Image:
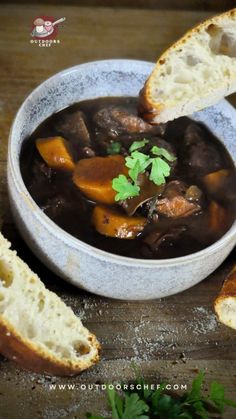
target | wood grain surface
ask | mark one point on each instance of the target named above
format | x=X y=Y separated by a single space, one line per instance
x=169 y=339
x=219 y=5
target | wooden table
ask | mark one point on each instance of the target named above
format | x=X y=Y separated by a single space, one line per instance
x=169 y=339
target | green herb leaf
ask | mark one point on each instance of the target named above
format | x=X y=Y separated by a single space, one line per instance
x=114 y=148
x=143 y=159
x=195 y=393
x=217 y=395
x=134 y=404
x=124 y=188
x=91 y=416
x=160 y=170
x=159 y=151
x=119 y=404
x=157 y=395
x=134 y=172
x=114 y=399
x=137 y=163
x=134 y=407
x=200 y=409
x=138 y=144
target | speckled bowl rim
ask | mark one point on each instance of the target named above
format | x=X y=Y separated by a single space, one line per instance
x=67 y=238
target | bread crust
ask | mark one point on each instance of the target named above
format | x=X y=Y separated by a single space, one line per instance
x=145 y=107
x=31 y=357
x=227 y=295
x=229 y=286
x=34 y=356
x=156 y=113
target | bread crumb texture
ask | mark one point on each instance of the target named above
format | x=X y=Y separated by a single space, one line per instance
x=225 y=303
x=35 y=320
x=196 y=71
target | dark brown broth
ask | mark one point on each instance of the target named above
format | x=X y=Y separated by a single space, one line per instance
x=62 y=201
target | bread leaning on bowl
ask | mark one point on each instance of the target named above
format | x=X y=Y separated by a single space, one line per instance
x=37 y=329
x=195 y=72
x=225 y=303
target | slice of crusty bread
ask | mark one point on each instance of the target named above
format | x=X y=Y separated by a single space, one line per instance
x=37 y=329
x=225 y=303
x=195 y=72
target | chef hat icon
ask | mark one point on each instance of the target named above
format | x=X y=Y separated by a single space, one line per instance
x=38 y=22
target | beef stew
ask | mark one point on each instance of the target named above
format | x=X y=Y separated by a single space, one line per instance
x=122 y=185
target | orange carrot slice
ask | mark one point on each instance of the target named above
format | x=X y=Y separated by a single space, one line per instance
x=94 y=177
x=215 y=180
x=218 y=217
x=111 y=223
x=55 y=152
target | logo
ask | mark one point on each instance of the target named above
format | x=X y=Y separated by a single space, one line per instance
x=44 y=31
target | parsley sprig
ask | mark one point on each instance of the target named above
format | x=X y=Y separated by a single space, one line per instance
x=156 y=162
x=138 y=144
x=124 y=188
x=137 y=163
x=156 y=404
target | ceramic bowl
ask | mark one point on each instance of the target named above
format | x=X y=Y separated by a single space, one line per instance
x=85 y=266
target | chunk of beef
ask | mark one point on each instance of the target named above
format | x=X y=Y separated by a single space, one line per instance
x=88 y=152
x=116 y=121
x=176 y=207
x=198 y=154
x=178 y=200
x=73 y=126
x=157 y=237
